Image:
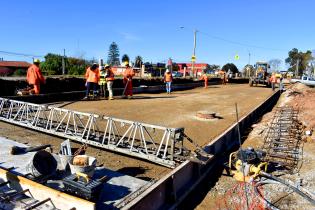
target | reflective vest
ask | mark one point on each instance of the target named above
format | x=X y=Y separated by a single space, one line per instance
x=102 y=78
x=273 y=79
x=110 y=75
x=168 y=77
x=34 y=75
x=92 y=76
x=129 y=73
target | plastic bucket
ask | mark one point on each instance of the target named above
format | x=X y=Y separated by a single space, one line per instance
x=42 y=164
x=65 y=159
x=89 y=169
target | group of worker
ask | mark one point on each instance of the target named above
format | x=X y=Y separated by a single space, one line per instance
x=98 y=78
x=273 y=81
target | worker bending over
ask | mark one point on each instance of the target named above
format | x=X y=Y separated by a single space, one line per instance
x=110 y=77
x=92 y=76
x=168 y=79
x=34 y=77
x=205 y=78
x=128 y=74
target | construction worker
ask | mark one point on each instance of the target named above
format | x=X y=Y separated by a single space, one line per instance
x=110 y=77
x=102 y=82
x=205 y=78
x=223 y=78
x=34 y=77
x=92 y=76
x=273 y=81
x=168 y=78
x=128 y=74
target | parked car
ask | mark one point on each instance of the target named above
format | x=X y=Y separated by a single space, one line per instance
x=304 y=80
x=176 y=74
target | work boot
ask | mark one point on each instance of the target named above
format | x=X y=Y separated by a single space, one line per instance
x=111 y=98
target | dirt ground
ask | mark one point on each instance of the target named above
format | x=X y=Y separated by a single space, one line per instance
x=175 y=110
x=302 y=98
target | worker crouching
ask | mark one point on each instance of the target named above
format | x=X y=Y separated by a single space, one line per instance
x=128 y=74
x=34 y=77
x=110 y=77
x=92 y=76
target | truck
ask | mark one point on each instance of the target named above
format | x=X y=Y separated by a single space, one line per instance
x=304 y=80
x=260 y=75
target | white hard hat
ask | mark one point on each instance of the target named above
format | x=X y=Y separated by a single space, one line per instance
x=167 y=70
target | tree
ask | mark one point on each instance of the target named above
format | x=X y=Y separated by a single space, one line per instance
x=248 y=70
x=231 y=67
x=113 y=55
x=275 y=65
x=138 y=61
x=52 y=64
x=296 y=55
x=125 y=58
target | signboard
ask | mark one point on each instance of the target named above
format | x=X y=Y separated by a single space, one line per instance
x=236 y=57
x=193 y=58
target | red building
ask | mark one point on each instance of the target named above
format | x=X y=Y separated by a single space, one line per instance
x=198 y=67
x=9 y=67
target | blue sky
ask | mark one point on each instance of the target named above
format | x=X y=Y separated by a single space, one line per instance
x=151 y=28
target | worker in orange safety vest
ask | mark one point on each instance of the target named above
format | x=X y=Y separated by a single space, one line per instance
x=92 y=76
x=168 y=79
x=205 y=78
x=273 y=81
x=34 y=77
x=128 y=74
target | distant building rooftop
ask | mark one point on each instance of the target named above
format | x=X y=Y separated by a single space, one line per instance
x=15 y=64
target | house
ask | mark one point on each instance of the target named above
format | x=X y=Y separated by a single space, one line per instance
x=9 y=67
x=198 y=67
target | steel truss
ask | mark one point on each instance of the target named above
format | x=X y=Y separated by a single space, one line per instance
x=161 y=145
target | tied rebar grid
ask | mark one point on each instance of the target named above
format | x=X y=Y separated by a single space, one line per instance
x=283 y=139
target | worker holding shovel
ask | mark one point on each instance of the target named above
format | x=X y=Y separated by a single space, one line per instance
x=128 y=74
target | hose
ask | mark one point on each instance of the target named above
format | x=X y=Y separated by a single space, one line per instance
x=302 y=192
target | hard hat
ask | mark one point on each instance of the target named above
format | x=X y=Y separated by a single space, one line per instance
x=126 y=63
x=167 y=71
x=107 y=66
x=36 y=61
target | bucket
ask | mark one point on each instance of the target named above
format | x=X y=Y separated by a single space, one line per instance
x=42 y=164
x=89 y=169
x=65 y=159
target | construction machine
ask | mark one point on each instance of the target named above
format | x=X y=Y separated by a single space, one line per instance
x=261 y=74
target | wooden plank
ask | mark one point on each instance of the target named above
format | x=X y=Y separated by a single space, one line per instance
x=41 y=192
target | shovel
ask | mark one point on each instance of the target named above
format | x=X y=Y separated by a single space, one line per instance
x=16 y=150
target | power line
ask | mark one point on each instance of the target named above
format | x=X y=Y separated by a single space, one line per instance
x=240 y=43
x=235 y=42
x=20 y=54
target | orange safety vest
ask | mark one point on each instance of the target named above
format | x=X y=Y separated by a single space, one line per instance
x=34 y=75
x=168 y=77
x=92 y=76
x=129 y=73
x=111 y=75
x=273 y=79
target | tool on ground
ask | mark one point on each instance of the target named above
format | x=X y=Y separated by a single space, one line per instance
x=16 y=150
x=125 y=87
x=82 y=185
x=245 y=164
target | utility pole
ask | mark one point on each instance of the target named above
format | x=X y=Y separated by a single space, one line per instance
x=63 y=62
x=194 y=54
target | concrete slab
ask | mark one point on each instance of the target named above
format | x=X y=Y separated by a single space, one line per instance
x=115 y=189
